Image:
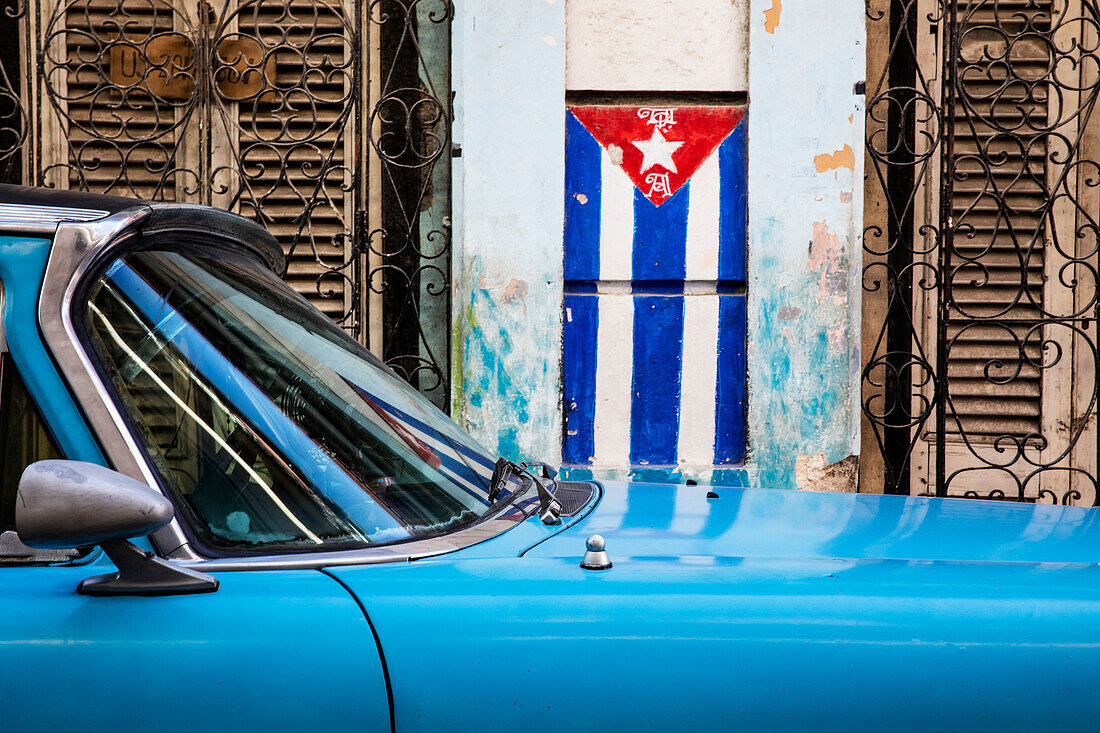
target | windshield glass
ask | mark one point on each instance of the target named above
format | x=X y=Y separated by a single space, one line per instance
x=268 y=425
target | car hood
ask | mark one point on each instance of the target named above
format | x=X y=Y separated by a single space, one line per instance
x=661 y=521
x=758 y=608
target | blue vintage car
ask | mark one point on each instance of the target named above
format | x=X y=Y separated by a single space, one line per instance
x=290 y=538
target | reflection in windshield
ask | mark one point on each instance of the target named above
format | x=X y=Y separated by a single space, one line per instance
x=268 y=425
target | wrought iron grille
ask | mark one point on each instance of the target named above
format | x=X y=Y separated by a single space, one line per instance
x=326 y=120
x=981 y=249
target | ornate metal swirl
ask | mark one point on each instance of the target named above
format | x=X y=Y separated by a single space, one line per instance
x=410 y=247
x=260 y=106
x=13 y=114
x=982 y=382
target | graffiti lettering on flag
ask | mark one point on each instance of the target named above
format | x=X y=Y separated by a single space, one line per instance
x=672 y=142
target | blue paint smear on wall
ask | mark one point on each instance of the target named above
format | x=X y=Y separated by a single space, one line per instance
x=582 y=313
x=582 y=202
x=495 y=374
x=655 y=404
x=733 y=205
x=801 y=367
x=660 y=237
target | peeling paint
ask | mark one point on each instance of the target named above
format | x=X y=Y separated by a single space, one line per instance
x=827 y=257
x=581 y=198
x=506 y=372
x=771 y=16
x=508 y=214
x=814 y=473
x=515 y=290
x=789 y=313
x=615 y=153
x=843 y=158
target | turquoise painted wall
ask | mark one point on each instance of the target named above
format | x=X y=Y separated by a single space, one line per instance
x=805 y=223
x=509 y=77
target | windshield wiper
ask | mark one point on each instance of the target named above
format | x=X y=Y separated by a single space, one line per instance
x=540 y=474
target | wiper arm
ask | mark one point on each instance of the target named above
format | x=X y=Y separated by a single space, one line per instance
x=543 y=478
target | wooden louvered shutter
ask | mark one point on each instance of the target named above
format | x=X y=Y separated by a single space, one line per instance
x=1015 y=372
x=103 y=137
x=294 y=146
x=120 y=114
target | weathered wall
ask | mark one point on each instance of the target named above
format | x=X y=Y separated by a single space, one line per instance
x=509 y=76
x=796 y=65
x=805 y=214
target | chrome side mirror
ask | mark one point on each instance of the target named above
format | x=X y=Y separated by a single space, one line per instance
x=72 y=503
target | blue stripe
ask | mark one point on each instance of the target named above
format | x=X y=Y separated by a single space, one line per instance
x=582 y=220
x=579 y=367
x=660 y=237
x=733 y=205
x=729 y=418
x=655 y=396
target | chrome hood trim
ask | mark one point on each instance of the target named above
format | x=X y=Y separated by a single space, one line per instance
x=31 y=219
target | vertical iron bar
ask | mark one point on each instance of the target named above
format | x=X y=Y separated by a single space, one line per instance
x=900 y=183
x=204 y=74
x=13 y=125
x=359 y=48
x=945 y=233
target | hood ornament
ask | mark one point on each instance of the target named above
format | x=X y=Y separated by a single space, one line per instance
x=595 y=556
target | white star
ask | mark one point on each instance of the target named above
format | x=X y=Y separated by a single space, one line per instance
x=657 y=151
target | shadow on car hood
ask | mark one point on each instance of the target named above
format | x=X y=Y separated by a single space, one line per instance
x=654 y=521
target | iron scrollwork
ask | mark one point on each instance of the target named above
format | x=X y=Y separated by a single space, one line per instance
x=276 y=109
x=410 y=247
x=1001 y=389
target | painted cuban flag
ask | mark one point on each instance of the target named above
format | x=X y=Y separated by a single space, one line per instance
x=654 y=354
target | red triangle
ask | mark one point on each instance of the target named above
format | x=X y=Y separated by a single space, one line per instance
x=660 y=138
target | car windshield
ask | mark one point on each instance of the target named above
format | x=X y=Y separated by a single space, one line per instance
x=267 y=424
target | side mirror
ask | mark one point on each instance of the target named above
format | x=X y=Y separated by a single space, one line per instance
x=72 y=503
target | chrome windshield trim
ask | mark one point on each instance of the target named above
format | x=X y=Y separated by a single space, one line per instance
x=397 y=552
x=32 y=219
x=78 y=249
x=523 y=509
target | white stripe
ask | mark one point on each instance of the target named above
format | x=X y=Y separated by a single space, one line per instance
x=616 y=220
x=614 y=381
x=699 y=380
x=702 y=223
